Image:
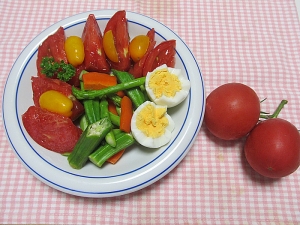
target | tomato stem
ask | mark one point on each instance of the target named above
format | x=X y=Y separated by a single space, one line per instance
x=276 y=112
x=263 y=100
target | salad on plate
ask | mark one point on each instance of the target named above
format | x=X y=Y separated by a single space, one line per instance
x=99 y=93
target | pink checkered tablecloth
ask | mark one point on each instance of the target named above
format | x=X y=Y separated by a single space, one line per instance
x=255 y=42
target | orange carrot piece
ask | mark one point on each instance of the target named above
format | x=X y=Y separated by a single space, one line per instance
x=121 y=94
x=115 y=157
x=112 y=107
x=126 y=114
x=97 y=81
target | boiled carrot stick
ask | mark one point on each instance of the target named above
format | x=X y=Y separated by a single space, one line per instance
x=112 y=107
x=97 y=81
x=121 y=94
x=126 y=114
x=116 y=157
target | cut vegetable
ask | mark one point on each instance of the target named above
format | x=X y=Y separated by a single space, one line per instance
x=89 y=110
x=91 y=94
x=115 y=99
x=96 y=107
x=97 y=81
x=56 y=102
x=110 y=137
x=115 y=119
x=135 y=94
x=104 y=108
x=99 y=156
x=115 y=158
x=83 y=123
x=88 y=142
x=126 y=114
x=112 y=107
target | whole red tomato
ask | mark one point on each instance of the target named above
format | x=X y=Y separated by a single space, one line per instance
x=232 y=110
x=273 y=148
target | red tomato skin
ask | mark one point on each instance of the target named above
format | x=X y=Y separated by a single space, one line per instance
x=43 y=51
x=273 y=148
x=119 y=27
x=163 y=53
x=52 y=131
x=231 y=111
x=137 y=69
x=52 y=46
x=74 y=81
x=95 y=58
x=43 y=84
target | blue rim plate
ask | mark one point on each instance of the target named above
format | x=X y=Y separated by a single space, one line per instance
x=139 y=167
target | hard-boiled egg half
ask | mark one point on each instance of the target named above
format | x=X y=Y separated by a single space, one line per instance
x=167 y=86
x=151 y=126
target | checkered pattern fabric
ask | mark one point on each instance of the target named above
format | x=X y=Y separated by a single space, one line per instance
x=255 y=42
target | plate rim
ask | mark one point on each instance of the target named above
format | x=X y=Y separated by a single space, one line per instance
x=99 y=194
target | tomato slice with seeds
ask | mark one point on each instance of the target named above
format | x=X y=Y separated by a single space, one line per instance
x=50 y=130
x=164 y=53
x=43 y=84
x=52 y=46
x=166 y=57
x=74 y=81
x=137 y=69
x=119 y=27
x=95 y=58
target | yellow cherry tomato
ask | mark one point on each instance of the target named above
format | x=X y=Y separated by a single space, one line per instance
x=109 y=46
x=56 y=102
x=75 y=50
x=138 y=47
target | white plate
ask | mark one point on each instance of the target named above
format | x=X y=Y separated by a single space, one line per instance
x=139 y=167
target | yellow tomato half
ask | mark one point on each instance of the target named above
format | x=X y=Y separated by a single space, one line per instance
x=138 y=47
x=56 y=102
x=75 y=50
x=109 y=46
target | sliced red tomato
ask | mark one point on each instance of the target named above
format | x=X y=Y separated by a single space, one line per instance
x=95 y=59
x=151 y=35
x=52 y=46
x=52 y=131
x=74 y=81
x=164 y=53
x=137 y=69
x=43 y=84
x=166 y=57
x=119 y=27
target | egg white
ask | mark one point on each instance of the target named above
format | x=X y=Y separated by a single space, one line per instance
x=150 y=142
x=165 y=100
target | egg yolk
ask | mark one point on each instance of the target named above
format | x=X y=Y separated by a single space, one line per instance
x=151 y=121
x=162 y=82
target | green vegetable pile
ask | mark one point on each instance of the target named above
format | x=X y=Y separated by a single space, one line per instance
x=100 y=140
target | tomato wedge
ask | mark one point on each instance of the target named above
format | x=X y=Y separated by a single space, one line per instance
x=95 y=59
x=74 y=81
x=43 y=84
x=52 y=46
x=119 y=27
x=50 y=130
x=137 y=69
x=164 y=53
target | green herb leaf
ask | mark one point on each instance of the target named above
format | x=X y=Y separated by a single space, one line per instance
x=61 y=70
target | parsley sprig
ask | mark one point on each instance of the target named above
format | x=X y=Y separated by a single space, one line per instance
x=61 y=70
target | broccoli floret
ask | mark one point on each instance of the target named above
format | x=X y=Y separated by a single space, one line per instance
x=62 y=70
